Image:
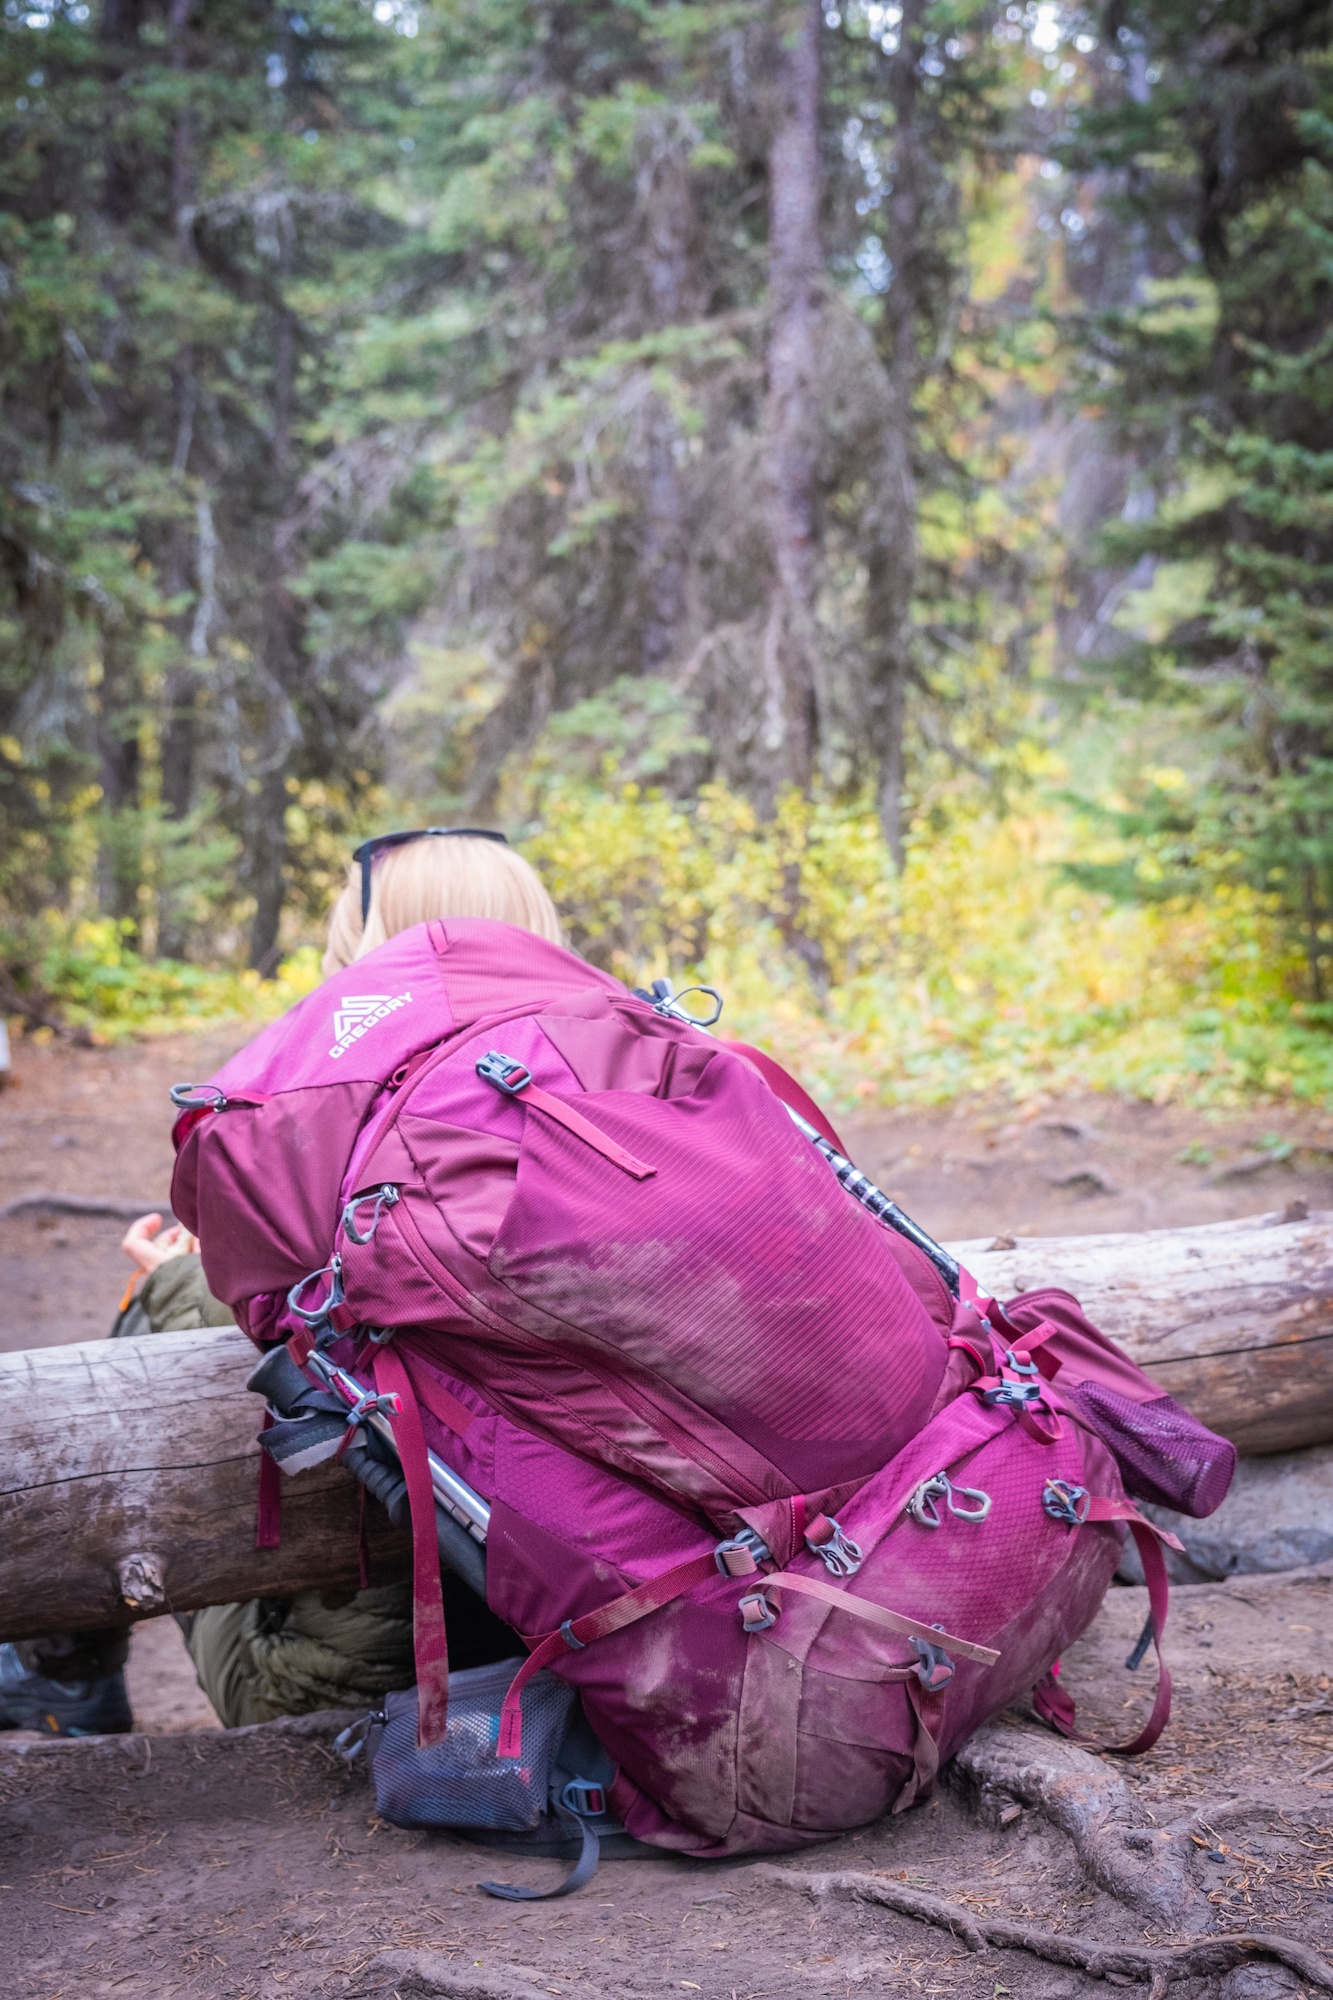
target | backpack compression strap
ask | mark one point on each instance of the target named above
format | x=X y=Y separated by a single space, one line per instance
x=429 y=1639
x=576 y=1633
x=1049 y=1698
x=787 y=1088
x=731 y=1559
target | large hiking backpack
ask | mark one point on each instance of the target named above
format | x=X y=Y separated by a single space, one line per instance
x=792 y=1511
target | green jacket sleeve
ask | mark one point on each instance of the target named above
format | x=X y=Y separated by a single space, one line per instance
x=175 y=1298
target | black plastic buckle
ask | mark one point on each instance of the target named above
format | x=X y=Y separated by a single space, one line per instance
x=505 y=1073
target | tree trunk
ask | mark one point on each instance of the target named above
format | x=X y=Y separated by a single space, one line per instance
x=178 y=736
x=282 y=648
x=146 y=1449
x=889 y=528
x=1235 y=1320
x=669 y=227
x=119 y=770
x=789 y=727
x=132 y=1465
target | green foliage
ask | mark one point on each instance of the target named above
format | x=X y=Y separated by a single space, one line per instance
x=385 y=418
x=1220 y=378
x=984 y=965
x=198 y=594
x=98 y=981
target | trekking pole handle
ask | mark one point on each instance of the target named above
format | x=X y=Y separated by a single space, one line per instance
x=452 y=1494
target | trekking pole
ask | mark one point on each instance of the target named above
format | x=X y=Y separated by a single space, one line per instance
x=452 y=1494
x=859 y=1186
x=462 y=1517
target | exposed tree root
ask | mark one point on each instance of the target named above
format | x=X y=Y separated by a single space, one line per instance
x=1087 y=1799
x=1159 y=1965
x=418 y=1974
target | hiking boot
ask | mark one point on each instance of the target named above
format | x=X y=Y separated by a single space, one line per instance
x=61 y=1708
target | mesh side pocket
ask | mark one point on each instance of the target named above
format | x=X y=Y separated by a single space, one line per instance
x=461 y=1782
x=1164 y=1453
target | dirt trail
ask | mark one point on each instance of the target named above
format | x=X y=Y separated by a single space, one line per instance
x=244 y=1865
x=250 y=1865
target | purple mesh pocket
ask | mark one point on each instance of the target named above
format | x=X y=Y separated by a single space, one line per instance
x=1164 y=1453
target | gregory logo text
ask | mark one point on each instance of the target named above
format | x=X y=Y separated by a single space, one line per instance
x=360 y=1012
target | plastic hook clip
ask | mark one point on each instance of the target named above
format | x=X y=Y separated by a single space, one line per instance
x=383 y=1197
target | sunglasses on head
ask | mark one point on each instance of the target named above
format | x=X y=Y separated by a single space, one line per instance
x=382 y=842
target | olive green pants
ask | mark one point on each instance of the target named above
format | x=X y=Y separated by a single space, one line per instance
x=290 y=1655
x=277 y=1655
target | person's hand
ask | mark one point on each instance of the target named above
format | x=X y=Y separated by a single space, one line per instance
x=145 y=1247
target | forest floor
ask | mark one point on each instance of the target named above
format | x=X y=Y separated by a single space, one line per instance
x=185 y=1860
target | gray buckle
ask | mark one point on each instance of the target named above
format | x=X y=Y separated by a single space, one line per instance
x=742 y=1555
x=757 y=1614
x=583 y=1797
x=934 y=1669
x=1065 y=1502
x=840 y=1555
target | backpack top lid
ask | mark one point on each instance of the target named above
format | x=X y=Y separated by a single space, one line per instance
x=267 y=1171
x=408 y=994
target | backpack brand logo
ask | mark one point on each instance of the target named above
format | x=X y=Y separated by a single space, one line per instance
x=360 y=1012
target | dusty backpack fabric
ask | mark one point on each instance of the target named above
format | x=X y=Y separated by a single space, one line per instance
x=790 y=1514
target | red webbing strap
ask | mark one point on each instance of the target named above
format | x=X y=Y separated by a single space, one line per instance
x=787 y=1088
x=1056 y=1707
x=268 y=1500
x=1101 y=1509
x=876 y=1614
x=300 y=1345
x=576 y=1633
x=428 y=1635
x=582 y=1128
x=439 y=1400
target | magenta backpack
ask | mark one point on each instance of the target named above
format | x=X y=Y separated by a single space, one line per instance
x=789 y=1502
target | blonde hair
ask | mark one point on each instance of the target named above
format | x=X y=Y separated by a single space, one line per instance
x=438 y=877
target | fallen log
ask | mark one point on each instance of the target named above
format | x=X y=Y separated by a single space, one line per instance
x=127 y=1479
x=1234 y=1319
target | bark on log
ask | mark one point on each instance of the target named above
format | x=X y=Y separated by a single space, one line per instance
x=129 y=1472
x=129 y=1467
x=1234 y=1319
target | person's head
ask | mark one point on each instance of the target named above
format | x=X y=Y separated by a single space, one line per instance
x=454 y=875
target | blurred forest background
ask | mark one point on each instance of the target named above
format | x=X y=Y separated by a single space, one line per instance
x=849 y=486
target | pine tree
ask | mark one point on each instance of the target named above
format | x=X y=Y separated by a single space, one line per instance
x=1214 y=134
x=193 y=232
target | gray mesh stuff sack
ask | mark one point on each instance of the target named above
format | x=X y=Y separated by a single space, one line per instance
x=461 y=1782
